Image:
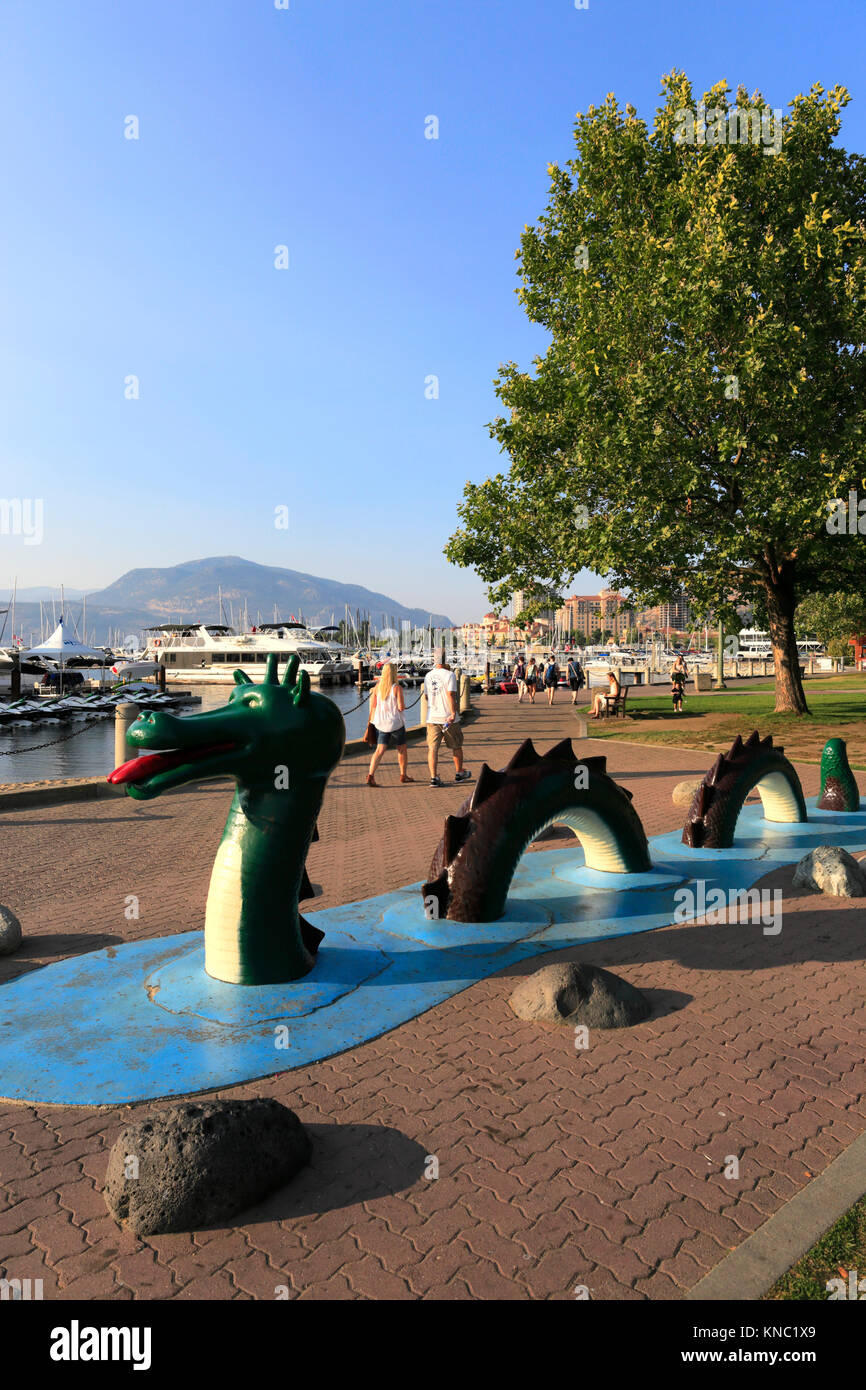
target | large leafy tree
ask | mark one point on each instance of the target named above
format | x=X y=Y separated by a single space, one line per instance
x=702 y=398
x=834 y=619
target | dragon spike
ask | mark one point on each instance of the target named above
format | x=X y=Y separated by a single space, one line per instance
x=271 y=670
x=456 y=830
x=597 y=763
x=488 y=783
x=560 y=752
x=715 y=772
x=306 y=888
x=736 y=748
x=525 y=756
x=625 y=791
x=702 y=801
x=290 y=675
x=767 y=743
x=753 y=741
x=241 y=678
x=302 y=689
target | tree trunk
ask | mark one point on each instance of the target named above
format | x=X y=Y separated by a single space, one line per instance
x=781 y=603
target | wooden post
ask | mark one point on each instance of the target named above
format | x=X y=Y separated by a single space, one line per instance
x=15 y=677
x=125 y=714
x=487 y=677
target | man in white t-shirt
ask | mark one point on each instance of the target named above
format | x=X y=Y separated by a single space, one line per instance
x=443 y=720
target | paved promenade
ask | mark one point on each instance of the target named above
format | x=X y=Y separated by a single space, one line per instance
x=557 y=1168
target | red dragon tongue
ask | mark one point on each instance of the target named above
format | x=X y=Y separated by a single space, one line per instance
x=138 y=769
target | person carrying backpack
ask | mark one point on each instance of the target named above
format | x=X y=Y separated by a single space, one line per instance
x=551 y=677
x=575 y=677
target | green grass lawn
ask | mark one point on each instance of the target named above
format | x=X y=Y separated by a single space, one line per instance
x=712 y=721
x=841 y=1250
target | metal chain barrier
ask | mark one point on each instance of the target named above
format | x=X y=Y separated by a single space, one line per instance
x=64 y=738
x=88 y=723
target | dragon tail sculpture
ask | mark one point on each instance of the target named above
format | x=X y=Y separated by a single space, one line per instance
x=839 y=791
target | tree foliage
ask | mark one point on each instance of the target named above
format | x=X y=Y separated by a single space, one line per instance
x=833 y=618
x=702 y=399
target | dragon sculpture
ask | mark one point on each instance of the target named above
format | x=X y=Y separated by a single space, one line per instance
x=476 y=858
x=753 y=764
x=280 y=742
x=839 y=790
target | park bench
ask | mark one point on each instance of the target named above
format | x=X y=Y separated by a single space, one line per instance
x=615 y=704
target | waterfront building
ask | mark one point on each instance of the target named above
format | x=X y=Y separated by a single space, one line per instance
x=607 y=611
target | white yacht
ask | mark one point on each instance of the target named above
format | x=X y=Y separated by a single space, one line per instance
x=212 y=652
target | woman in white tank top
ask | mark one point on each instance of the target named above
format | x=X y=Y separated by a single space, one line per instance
x=387 y=717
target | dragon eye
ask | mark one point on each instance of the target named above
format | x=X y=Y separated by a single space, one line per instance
x=253 y=700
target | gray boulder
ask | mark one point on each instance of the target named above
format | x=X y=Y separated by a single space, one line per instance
x=683 y=793
x=578 y=994
x=10 y=932
x=831 y=870
x=201 y=1163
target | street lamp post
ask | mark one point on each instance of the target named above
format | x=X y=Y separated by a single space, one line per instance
x=720 y=668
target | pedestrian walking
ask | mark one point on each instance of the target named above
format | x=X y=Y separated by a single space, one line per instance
x=532 y=674
x=575 y=677
x=387 y=715
x=551 y=679
x=679 y=676
x=443 y=721
x=520 y=679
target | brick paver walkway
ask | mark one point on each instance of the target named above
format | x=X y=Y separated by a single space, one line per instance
x=557 y=1167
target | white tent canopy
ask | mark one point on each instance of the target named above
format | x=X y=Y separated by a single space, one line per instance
x=59 y=647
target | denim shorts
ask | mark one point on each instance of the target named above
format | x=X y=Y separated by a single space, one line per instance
x=384 y=737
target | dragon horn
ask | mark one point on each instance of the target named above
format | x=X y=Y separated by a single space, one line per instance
x=271 y=670
x=241 y=678
x=290 y=674
x=302 y=689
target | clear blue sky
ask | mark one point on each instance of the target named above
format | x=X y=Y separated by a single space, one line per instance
x=304 y=127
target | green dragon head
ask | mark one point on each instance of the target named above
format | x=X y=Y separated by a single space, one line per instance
x=265 y=731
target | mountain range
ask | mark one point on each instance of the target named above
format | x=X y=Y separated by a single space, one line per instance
x=190 y=592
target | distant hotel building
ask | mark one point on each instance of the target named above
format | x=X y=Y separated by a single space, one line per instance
x=607 y=611
x=611 y=612
x=675 y=616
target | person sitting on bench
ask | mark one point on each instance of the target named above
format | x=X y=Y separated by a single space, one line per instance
x=599 y=704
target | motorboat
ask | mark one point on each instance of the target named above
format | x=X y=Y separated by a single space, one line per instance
x=212 y=652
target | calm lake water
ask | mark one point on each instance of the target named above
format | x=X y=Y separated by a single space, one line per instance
x=91 y=750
